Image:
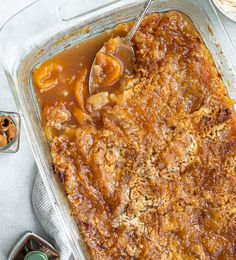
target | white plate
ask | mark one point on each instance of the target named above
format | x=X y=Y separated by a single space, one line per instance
x=230 y=14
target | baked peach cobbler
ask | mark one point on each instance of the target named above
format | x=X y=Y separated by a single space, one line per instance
x=149 y=167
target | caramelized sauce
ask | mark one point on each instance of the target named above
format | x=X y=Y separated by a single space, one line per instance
x=72 y=61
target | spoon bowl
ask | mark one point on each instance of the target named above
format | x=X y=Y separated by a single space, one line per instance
x=111 y=64
x=114 y=60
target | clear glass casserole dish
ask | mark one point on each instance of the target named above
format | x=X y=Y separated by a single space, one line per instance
x=44 y=29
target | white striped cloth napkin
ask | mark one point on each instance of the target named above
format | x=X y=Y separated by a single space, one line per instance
x=48 y=218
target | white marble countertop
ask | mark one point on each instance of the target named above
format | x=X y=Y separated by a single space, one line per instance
x=17 y=171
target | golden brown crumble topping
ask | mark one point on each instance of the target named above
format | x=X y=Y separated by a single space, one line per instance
x=149 y=170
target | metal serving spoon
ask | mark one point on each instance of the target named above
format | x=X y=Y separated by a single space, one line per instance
x=126 y=51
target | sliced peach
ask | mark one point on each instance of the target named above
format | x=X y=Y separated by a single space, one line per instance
x=49 y=133
x=47 y=75
x=111 y=68
x=81 y=116
x=80 y=88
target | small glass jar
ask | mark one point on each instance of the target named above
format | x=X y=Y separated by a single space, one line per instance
x=32 y=247
x=13 y=145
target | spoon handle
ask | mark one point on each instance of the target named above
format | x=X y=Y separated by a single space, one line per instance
x=139 y=19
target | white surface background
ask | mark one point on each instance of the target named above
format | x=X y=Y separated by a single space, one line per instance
x=17 y=171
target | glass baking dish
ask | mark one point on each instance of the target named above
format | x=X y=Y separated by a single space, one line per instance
x=45 y=28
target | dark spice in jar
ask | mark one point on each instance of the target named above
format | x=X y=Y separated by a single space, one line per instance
x=7 y=130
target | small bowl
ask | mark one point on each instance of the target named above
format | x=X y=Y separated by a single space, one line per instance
x=13 y=146
x=231 y=15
